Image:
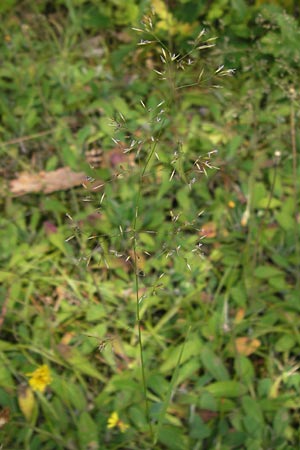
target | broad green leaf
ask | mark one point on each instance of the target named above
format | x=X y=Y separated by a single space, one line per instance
x=208 y=401
x=188 y=369
x=173 y=438
x=287 y=222
x=137 y=416
x=69 y=392
x=281 y=421
x=267 y=203
x=266 y=272
x=226 y=389
x=84 y=366
x=285 y=343
x=6 y=379
x=198 y=429
x=244 y=369
x=214 y=365
x=191 y=348
x=60 y=408
x=87 y=432
x=252 y=408
x=253 y=426
x=158 y=384
x=95 y=312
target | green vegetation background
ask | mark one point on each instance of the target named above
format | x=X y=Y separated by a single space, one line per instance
x=69 y=70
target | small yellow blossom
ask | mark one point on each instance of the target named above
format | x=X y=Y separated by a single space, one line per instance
x=115 y=422
x=40 y=378
x=231 y=204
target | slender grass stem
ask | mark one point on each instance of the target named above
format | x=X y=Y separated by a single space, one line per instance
x=295 y=185
x=27 y=138
x=136 y=281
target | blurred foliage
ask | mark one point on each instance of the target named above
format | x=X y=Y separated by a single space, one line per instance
x=73 y=78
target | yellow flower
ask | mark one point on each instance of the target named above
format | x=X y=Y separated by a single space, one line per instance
x=40 y=378
x=115 y=422
x=231 y=204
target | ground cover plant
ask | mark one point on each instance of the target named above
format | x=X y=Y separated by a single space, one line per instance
x=156 y=304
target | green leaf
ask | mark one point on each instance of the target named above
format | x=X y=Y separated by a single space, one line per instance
x=48 y=408
x=6 y=379
x=244 y=369
x=158 y=384
x=252 y=408
x=235 y=439
x=253 y=427
x=267 y=203
x=70 y=393
x=173 y=438
x=240 y=8
x=198 y=430
x=226 y=389
x=84 y=366
x=60 y=408
x=208 y=401
x=95 y=312
x=285 y=343
x=287 y=222
x=137 y=417
x=188 y=369
x=281 y=421
x=214 y=365
x=192 y=348
x=265 y=272
x=87 y=432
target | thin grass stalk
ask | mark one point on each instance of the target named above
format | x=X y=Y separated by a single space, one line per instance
x=136 y=280
x=135 y=259
x=295 y=185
